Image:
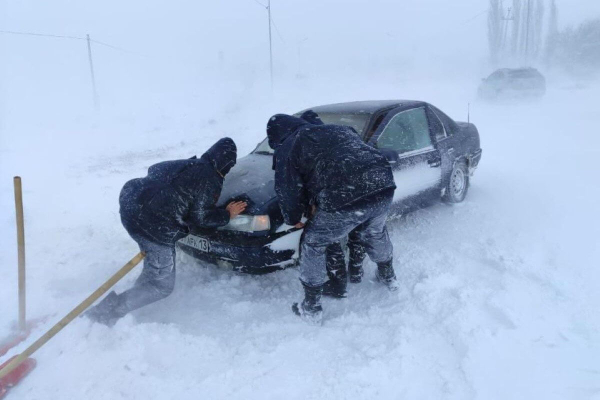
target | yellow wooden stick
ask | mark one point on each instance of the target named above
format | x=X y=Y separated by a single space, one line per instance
x=21 y=250
x=72 y=315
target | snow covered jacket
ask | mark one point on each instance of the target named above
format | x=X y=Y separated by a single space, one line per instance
x=326 y=165
x=177 y=194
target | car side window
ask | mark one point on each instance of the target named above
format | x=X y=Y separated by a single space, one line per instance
x=406 y=131
x=449 y=124
x=375 y=126
x=436 y=126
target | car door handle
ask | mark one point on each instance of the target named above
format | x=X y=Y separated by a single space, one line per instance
x=435 y=164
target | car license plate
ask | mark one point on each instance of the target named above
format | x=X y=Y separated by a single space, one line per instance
x=197 y=242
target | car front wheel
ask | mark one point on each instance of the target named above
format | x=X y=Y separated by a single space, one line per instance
x=458 y=184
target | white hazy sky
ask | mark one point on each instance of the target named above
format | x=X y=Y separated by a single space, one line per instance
x=180 y=42
x=574 y=11
x=186 y=26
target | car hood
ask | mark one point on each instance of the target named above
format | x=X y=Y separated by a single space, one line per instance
x=252 y=179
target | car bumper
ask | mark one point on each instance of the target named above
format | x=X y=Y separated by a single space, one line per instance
x=474 y=159
x=250 y=254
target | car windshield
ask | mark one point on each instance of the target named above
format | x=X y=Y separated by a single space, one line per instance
x=496 y=76
x=263 y=148
x=358 y=122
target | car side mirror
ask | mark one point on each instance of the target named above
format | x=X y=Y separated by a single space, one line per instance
x=390 y=155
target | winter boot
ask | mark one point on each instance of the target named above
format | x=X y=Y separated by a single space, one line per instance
x=355 y=265
x=336 y=271
x=356 y=271
x=108 y=311
x=336 y=287
x=310 y=309
x=387 y=276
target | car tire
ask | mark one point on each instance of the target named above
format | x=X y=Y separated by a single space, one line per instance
x=458 y=183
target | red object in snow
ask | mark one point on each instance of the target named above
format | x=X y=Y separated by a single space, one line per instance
x=12 y=341
x=26 y=366
x=15 y=376
x=18 y=337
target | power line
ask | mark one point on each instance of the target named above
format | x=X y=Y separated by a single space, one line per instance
x=69 y=37
x=260 y=4
x=475 y=17
x=115 y=47
x=43 y=34
x=461 y=24
x=277 y=30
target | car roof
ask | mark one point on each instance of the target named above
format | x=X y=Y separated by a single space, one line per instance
x=512 y=71
x=364 y=107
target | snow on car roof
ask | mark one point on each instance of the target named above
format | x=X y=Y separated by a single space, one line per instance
x=517 y=72
x=363 y=107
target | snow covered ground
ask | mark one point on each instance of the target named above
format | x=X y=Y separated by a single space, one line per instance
x=499 y=296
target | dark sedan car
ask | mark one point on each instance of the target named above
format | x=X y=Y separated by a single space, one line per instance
x=432 y=157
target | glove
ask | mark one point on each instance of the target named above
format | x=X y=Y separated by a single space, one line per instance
x=108 y=311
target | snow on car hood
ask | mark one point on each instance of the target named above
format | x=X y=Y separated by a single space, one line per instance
x=252 y=180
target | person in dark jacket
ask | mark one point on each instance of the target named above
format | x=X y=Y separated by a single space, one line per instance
x=158 y=210
x=350 y=184
x=336 y=285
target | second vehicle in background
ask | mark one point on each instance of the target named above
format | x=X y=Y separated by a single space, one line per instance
x=511 y=84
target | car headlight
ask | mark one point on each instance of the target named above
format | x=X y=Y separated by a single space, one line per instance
x=248 y=223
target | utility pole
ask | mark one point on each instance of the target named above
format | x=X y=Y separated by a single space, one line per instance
x=270 y=44
x=506 y=19
x=527 y=30
x=300 y=55
x=95 y=93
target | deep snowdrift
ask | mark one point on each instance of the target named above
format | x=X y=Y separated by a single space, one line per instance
x=499 y=294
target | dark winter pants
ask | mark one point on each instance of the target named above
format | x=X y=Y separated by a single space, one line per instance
x=157 y=278
x=365 y=218
x=336 y=259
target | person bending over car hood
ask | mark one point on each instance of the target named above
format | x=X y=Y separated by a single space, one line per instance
x=176 y=194
x=157 y=210
x=343 y=169
x=349 y=185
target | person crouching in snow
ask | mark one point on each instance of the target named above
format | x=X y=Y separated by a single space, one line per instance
x=157 y=211
x=350 y=184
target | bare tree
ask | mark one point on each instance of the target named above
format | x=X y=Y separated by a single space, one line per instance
x=525 y=29
x=577 y=50
x=552 y=36
x=516 y=28
x=495 y=30
x=538 y=27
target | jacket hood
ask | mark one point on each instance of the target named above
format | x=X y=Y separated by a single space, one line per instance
x=282 y=126
x=222 y=155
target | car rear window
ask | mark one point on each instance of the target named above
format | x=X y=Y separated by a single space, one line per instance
x=497 y=75
x=448 y=122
